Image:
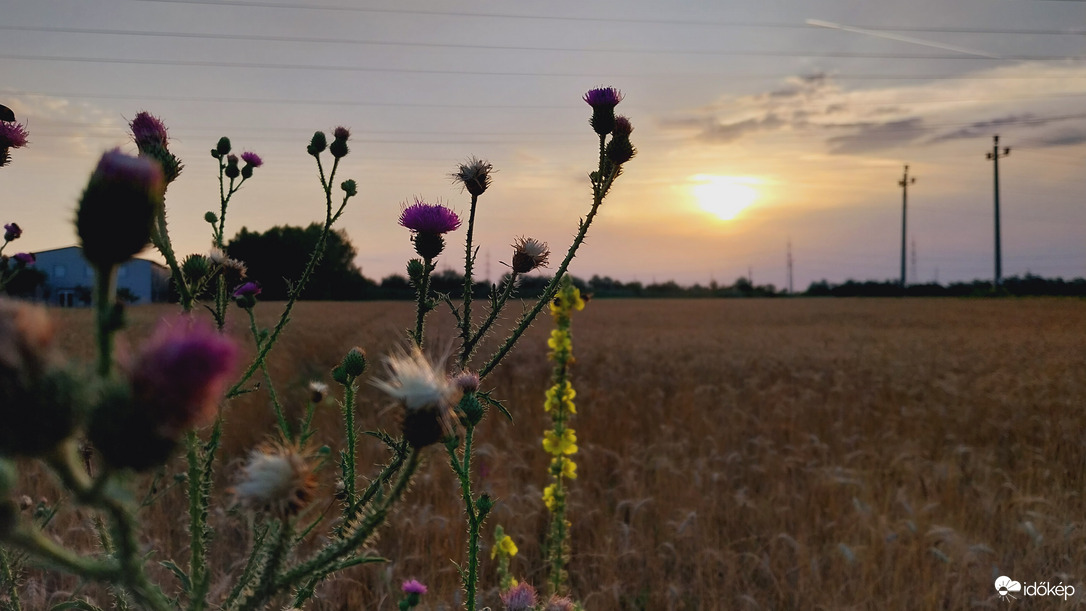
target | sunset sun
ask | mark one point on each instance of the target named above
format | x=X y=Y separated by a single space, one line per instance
x=724 y=196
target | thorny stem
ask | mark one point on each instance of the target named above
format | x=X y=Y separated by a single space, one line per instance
x=358 y=535
x=349 y=457
x=469 y=263
x=494 y=311
x=424 y=305
x=8 y=576
x=296 y=289
x=160 y=236
x=277 y=407
x=475 y=517
x=548 y=293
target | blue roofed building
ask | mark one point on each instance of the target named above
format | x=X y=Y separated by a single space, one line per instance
x=69 y=278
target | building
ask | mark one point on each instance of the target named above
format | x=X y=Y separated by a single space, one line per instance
x=69 y=278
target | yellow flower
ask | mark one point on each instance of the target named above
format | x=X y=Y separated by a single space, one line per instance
x=568 y=467
x=566 y=444
x=548 y=497
x=559 y=341
x=505 y=546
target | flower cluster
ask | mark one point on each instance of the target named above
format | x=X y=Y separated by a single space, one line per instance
x=413 y=591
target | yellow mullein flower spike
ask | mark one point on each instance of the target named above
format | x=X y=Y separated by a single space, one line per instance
x=548 y=497
x=508 y=546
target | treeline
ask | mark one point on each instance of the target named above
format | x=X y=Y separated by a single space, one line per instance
x=278 y=255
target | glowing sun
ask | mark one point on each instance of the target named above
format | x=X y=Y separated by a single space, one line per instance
x=724 y=196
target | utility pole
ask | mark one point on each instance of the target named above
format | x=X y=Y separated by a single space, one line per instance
x=995 y=156
x=904 y=184
x=789 y=266
x=912 y=262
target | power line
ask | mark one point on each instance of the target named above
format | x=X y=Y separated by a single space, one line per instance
x=608 y=19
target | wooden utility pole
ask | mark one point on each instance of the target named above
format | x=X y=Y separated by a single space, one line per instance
x=995 y=156
x=904 y=183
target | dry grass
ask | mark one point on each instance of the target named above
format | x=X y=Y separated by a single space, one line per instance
x=789 y=454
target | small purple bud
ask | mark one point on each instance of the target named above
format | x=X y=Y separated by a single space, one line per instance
x=26 y=258
x=12 y=231
x=148 y=130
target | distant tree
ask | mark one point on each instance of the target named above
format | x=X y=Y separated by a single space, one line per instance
x=25 y=283
x=276 y=259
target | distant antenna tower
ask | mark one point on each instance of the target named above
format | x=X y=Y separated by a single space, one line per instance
x=912 y=261
x=789 y=266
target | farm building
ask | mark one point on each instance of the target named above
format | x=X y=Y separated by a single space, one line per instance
x=69 y=278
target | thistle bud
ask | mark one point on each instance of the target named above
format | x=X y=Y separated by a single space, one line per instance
x=195 y=268
x=12 y=231
x=232 y=171
x=211 y=217
x=472 y=409
x=620 y=150
x=223 y=147
x=118 y=208
x=245 y=294
x=339 y=147
x=349 y=187
x=415 y=271
x=317 y=144
x=354 y=363
x=529 y=254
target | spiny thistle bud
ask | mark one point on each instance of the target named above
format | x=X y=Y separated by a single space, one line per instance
x=415 y=271
x=232 y=171
x=38 y=399
x=278 y=479
x=428 y=222
x=317 y=144
x=603 y=101
x=118 y=208
x=22 y=259
x=559 y=603
x=211 y=217
x=195 y=268
x=620 y=150
x=12 y=231
x=349 y=187
x=423 y=392
x=174 y=384
x=339 y=147
x=474 y=175
x=352 y=366
x=467 y=381
x=472 y=409
x=529 y=254
x=222 y=148
x=520 y=597
x=484 y=504
x=149 y=133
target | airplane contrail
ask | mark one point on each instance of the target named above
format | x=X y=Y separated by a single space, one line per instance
x=898 y=37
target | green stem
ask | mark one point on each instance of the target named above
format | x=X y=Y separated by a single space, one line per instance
x=494 y=311
x=277 y=407
x=424 y=305
x=357 y=536
x=349 y=458
x=265 y=586
x=474 y=519
x=160 y=236
x=469 y=263
x=105 y=290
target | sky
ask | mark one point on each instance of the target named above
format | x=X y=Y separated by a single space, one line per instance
x=760 y=126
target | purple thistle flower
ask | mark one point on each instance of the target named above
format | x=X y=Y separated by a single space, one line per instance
x=12 y=231
x=148 y=129
x=181 y=373
x=26 y=258
x=603 y=96
x=421 y=217
x=341 y=133
x=118 y=207
x=12 y=135
x=252 y=159
x=559 y=603
x=248 y=289
x=140 y=173
x=519 y=598
x=413 y=586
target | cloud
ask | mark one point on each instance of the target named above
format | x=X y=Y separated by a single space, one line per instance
x=984 y=128
x=878 y=136
x=1067 y=138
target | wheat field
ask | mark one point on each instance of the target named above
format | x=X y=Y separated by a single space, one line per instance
x=734 y=454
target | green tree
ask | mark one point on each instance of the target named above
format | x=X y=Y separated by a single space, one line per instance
x=276 y=258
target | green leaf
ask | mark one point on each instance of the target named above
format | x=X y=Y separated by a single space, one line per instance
x=182 y=576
